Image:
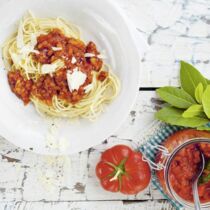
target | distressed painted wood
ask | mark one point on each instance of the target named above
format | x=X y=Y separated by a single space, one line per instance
x=70 y=177
x=51 y=182
x=91 y=205
x=174 y=30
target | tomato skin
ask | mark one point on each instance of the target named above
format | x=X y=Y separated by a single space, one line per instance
x=134 y=173
x=112 y=186
x=138 y=181
x=116 y=154
x=103 y=170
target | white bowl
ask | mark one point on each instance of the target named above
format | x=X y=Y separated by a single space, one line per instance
x=99 y=21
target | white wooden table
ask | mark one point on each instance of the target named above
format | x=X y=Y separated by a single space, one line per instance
x=174 y=30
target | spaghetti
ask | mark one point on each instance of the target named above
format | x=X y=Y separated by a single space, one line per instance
x=51 y=67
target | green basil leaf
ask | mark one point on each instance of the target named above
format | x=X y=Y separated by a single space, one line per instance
x=199 y=93
x=193 y=111
x=203 y=128
x=206 y=178
x=174 y=116
x=207 y=166
x=190 y=77
x=206 y=101
x=176 y=97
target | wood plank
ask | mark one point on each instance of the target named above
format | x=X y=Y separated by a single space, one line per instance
x=91 y=205
x=30 y=177
x=174 y=31
x=184 y=34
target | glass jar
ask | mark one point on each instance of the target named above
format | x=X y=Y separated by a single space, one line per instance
x=168 y=179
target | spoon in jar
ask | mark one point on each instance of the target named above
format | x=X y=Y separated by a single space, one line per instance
x=195 y=182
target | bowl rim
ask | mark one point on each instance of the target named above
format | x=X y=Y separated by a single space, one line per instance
x=169 y=188
x=138 y=79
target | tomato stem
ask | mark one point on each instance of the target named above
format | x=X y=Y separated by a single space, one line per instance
x=119 y=170
x=115 y=177
x=112 y=165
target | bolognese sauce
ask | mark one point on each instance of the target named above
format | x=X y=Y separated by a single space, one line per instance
x=20 y=86
x=56 y=46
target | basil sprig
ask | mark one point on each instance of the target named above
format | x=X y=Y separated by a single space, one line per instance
x=205 y=178
x=189 y=105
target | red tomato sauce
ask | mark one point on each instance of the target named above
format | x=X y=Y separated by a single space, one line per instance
x=185 y=165
x=47 y=86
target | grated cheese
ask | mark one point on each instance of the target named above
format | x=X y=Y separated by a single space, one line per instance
x=49 y=68
x=90 y=55
x=28 y=49
x=33 y=40
x=75 y=79
x=73 y=60
x=56 y=48
x=19 y=39
x=23 y=50
x=16 y=58
x=88 y=88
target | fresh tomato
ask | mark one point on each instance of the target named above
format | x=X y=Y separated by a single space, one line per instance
x=122 y=169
